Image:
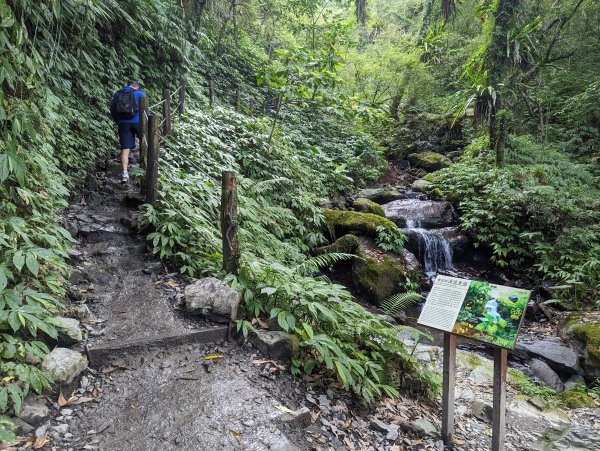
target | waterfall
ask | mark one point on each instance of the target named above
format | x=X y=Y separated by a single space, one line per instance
x=434 y=249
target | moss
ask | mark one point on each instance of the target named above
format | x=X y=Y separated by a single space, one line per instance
x=575 y=399
x=343 y=222
x=378 y=274
x=368 y=206
x=379 y=279
x=346 y=245
x=430 y=161
x=590 y=335
x=518 y=380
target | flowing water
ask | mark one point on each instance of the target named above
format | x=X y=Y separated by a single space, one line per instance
x=435 y=251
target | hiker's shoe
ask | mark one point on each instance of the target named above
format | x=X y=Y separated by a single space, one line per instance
x=125 y=177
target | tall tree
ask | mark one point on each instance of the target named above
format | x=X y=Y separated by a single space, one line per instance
x=361 y=12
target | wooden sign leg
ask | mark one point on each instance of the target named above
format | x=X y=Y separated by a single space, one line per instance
x=499 y=415
x=448 y=388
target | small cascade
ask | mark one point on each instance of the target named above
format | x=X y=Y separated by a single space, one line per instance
x=434 y=249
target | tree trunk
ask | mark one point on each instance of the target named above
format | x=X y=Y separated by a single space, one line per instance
x=361 y=12
x=496 y=63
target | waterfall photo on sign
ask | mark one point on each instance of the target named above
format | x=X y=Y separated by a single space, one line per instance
x=492 y=313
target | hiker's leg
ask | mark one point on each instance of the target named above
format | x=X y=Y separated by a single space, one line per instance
x=124 y=159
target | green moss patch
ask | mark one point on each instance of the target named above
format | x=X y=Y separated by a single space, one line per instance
x=590 y=335
x=368 y=206
x=348 y=244
x=343 y=222
x=575 y=399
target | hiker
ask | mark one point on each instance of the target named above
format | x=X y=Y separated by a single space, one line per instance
x=125 y=110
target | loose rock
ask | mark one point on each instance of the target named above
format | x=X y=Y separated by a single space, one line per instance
x=64 y=365
x=211 y=298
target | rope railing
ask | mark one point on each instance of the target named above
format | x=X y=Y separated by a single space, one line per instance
x=150 y=141
x=157 y=104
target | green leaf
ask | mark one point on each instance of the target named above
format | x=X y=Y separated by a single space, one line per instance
x=16 y=395
x=32 y=264
x=3 y=278
x=19 y=260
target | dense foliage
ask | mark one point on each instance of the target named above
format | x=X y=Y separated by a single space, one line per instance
x=295 y=95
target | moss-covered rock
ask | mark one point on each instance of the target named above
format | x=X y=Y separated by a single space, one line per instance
x=430 y=161
x=422 y=185
x=343 y=222
x=348 y=244
x=368 y=206
x=378 y=275
x=575 y=399
x=381 y=195
x=582 y=330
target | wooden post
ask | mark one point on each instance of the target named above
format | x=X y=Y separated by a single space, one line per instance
x=449 y=373
x=499 y=413
x=211 y=91
x=152 y=164
x=229 y=225
x=238 y=100
x=143 y=139
x=182 y=97
x=167 y=112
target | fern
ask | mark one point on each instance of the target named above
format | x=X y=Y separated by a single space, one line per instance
x=398 y=303
x=315 y=264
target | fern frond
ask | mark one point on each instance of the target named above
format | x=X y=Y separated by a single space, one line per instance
x=320 y=261
x=398 y=303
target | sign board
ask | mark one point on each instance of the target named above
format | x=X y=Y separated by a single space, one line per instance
x=478 y=310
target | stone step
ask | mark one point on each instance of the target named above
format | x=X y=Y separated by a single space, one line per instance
x=102 y=354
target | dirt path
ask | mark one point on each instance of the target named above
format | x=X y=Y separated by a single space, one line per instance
x=150 y=386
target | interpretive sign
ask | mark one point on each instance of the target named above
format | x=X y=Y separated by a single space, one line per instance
x=479 y=310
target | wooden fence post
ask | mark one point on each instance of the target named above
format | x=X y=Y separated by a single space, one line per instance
x=167 y=112
x=143 y=137
x=229 y=225
x=211 y=91
x=448 y=383
x=182 y=97
x=499 y=412
x=152 y=164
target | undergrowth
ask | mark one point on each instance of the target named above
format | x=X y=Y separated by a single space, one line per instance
x=280 y=183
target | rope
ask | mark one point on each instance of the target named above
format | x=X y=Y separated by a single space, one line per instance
x=192 y=164
x=175 y=92
x=157 y=104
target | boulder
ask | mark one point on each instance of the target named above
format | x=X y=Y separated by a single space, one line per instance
x=63 y=364
x=544 y=373
x=561 y=358
x=275 y=344
x=430 y=161
x=583 y=332
x=422 y=186
x=378 y=275
x=33 y=411
x=211 y=298
x=368 y=206
x=348 y=244
x=343 y=222
x=575 y=437
x=428 y=214
x=381 y=195
x=69 y=331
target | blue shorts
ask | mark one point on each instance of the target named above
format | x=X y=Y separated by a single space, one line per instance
x=127 y=133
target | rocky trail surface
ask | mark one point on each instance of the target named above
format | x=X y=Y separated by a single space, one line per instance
x=159 y=379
